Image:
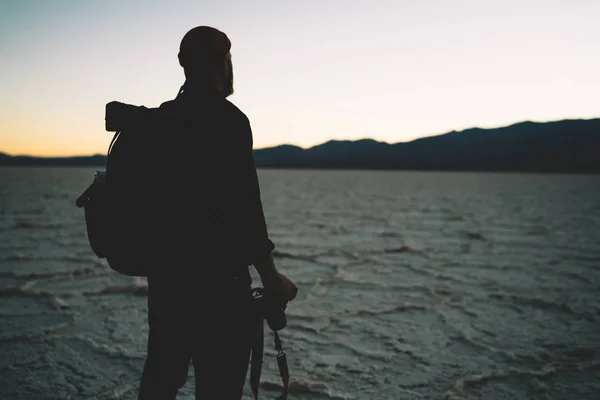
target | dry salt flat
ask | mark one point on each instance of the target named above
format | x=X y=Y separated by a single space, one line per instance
x=413 y=285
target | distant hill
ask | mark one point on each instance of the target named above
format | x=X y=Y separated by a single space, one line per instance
x=558 y=146
x=97 y=160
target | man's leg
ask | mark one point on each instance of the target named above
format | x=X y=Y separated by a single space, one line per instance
x=222 y=353
x=168 y=355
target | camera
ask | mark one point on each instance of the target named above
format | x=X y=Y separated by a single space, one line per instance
x=267 y=308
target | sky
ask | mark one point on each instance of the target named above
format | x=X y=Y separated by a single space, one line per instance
x=306 y=71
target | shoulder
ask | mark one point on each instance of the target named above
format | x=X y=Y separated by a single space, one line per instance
x=235 y=112
x=168 y=105
x=242 y=124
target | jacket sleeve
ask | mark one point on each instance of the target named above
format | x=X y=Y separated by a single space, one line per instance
x=259 y=243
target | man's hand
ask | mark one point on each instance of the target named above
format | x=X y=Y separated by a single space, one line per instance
x=280 y=287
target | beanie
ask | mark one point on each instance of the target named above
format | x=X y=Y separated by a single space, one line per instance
x=203 y=44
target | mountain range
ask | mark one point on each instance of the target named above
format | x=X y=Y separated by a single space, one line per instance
x=569 y=146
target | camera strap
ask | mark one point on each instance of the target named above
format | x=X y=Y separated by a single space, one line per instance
x=283 y=366
x=257 y=359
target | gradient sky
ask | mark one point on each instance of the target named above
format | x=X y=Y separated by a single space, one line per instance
x=306 y=71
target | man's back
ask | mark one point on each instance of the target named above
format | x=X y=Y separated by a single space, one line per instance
x=205 y=203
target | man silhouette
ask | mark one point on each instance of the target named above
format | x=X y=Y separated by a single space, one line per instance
x=208 y=227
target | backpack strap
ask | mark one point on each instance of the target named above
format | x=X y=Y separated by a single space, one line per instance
x=89 y=192
x=112 y=142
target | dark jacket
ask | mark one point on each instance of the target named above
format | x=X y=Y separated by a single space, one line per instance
x=205 y=202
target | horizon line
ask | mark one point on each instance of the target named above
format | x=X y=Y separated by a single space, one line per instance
x=482 y=127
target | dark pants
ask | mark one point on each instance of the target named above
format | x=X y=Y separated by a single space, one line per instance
x=211 y=326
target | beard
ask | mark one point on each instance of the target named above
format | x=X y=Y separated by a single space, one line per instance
x=203 y=78
x=228 y=86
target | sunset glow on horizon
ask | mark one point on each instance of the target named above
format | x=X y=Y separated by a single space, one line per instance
x=305 y=72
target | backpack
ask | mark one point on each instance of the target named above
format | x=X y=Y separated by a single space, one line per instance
x=114 y=215
x=118 y=219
